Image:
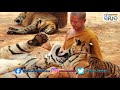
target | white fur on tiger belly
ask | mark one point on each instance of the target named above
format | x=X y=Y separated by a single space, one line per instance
x=6 y=53
x=9 y=65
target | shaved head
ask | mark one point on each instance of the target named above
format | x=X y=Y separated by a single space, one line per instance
x=81 y=15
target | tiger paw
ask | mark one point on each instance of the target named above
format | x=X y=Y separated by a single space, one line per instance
x=38 y=40
x=14 y=29
x=15 y=32
x=10 y=32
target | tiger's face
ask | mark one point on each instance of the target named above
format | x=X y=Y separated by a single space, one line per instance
x=81 y=47
x=20 y=18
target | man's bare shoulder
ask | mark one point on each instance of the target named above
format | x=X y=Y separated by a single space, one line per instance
x=70 y=32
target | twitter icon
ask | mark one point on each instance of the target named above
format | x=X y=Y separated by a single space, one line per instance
x=80 y=70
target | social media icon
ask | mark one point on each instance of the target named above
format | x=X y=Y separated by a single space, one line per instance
x=80 y=70
x=17 y=70
x=54 y=70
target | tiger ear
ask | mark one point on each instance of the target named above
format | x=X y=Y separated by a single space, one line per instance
x=91 y=44
x=78 y=42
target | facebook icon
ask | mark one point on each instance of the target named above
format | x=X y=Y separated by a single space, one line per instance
x=17 y=70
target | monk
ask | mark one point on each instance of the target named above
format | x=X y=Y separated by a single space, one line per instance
x=79 y=30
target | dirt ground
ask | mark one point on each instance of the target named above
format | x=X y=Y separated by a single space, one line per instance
x=107 y=32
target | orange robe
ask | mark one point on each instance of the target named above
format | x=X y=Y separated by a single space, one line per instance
x=87 y=36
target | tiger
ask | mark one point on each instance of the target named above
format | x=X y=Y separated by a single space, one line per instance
x=97 y=68
x=66 y=61
x=23 y=47
x=29 y=63
x=34 y=22
x=80 y=57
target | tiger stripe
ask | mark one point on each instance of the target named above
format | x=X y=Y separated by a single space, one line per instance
x=18 y=46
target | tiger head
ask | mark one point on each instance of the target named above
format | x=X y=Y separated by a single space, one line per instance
x=20 y=18
x=80 y=47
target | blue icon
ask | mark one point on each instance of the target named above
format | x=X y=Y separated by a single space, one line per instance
x=110 y=17
x=17 y=70
x=54 y=70
x=80 y=70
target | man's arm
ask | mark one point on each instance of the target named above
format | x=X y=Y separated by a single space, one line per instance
x=95 y=49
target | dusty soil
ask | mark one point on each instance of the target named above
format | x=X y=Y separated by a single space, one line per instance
x=107 y=32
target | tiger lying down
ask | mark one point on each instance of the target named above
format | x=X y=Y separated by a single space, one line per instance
x=34 y=22
x=75 y=57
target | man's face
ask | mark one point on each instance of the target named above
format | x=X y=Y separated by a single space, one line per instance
x=76 y=22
